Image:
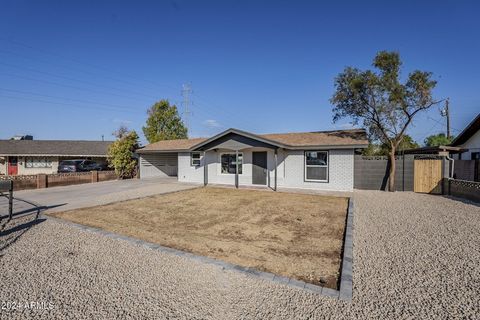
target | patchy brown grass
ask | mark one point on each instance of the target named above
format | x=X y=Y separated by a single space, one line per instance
x=291 y=234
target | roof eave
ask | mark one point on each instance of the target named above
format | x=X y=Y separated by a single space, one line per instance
x=331 y=146
x=49 y=155
x=468 y=132
x=140 y=151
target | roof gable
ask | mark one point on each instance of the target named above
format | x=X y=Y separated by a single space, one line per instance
x=237 y=133
x=468 y=132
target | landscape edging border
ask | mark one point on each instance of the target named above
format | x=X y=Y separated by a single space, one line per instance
x=346 y=276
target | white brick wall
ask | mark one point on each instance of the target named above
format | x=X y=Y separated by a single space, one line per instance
x=290 y=170
x=340 y=171
x=188 y=173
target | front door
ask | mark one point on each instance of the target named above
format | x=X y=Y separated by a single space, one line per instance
x=259 y=168
x=12 y=166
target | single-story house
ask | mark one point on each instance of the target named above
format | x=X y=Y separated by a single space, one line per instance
x=469 y=139
x=321 y=160
x=22 y=157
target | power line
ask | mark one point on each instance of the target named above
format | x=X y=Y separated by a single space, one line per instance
x=45 y=52
x=16 y=54
x=17 y=43
x=73 y=79
x=439 y=122
x=56 y=97
x=70 y=86
x=64 y=104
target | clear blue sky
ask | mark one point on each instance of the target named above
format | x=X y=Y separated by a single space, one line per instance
x=77 y=70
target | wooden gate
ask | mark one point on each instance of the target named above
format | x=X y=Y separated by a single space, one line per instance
x=428 y=176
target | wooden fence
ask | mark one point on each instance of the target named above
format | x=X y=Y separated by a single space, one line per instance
x=22 y=182
x=428 y=176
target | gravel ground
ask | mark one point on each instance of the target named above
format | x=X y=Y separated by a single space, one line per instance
x=415 y=257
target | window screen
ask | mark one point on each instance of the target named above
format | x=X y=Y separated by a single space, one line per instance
x=316 y=165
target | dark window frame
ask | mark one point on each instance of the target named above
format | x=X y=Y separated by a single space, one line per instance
x=192 y=159
x=305 y=166
x=240 y=165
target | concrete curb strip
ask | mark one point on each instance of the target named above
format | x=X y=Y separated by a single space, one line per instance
x=346 y=285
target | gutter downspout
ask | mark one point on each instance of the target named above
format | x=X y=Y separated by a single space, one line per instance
x=450 y=173
x=453 y=166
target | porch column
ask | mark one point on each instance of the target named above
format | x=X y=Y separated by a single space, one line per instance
x=236 y=169
x=205 y=169
x=276 y=164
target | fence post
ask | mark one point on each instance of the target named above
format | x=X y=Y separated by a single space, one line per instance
x=94 y=176
x=10 y=200
x=42 y=181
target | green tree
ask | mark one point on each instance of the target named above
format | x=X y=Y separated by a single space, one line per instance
x=121 y=153
x=164 y=123
x=375 y=149
x=383 y=105
x=438 y=140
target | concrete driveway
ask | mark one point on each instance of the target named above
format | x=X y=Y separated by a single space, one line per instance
x=92 y=194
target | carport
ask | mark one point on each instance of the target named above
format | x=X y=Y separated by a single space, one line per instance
x=158 y=164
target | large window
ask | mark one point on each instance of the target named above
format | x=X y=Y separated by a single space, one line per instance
x=316 y=166
x=195 y=159
x=229 y=163
x=34 y=162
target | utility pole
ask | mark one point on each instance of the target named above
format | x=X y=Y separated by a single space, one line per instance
x=186 y=91
x=446 y=113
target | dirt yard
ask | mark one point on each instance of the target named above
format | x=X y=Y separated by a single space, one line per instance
x=291 y=234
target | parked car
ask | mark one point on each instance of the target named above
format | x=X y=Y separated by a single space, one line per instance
x=79 y=165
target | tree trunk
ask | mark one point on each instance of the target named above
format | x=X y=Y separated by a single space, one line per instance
x=391 y=176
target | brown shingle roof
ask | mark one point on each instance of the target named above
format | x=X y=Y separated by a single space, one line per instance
x=172 y=145
x=326 y=138
x=54 y=147
x=354 y=137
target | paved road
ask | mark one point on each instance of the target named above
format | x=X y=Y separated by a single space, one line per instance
x=90 y=194
x=415 y=257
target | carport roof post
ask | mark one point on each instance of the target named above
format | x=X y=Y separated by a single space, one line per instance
x=236 y=169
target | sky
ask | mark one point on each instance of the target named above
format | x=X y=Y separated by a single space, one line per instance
x=80 y=69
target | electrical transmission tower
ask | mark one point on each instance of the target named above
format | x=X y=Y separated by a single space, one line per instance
x=186 y=92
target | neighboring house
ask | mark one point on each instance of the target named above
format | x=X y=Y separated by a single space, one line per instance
x=21 y=157
x=469 y=139
x=313 y=160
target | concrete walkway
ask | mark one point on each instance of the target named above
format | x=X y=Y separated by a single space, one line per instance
x=415 y=257
x=91 y=194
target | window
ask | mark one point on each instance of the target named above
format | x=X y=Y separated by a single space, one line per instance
x=195 y=159
x=31 y=162
x=316 y=166
x=475 y=156
x=229 y=163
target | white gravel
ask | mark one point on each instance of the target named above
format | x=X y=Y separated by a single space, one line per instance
x=415 y=257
